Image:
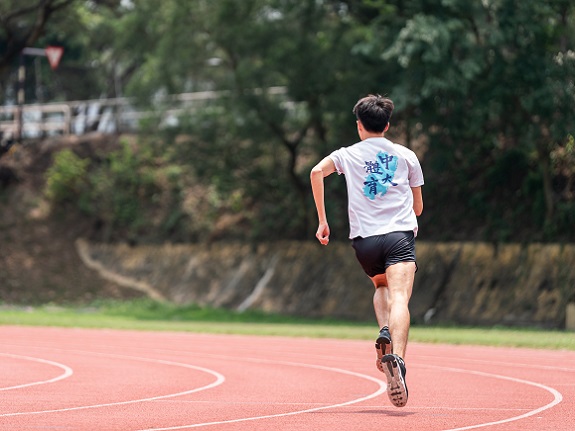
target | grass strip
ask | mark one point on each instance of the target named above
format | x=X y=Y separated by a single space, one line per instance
x=153 y=316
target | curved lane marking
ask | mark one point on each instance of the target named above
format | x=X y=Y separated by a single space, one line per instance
x=381 y=390
x=67 y=371
x=503 y=364
x=557 y=397
x=219 y=380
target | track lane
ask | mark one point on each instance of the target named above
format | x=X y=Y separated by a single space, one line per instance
x=127 y=380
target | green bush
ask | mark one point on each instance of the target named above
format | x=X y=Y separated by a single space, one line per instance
x=132 y=192
x=66 y=179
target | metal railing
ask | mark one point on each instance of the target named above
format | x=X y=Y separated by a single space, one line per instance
x=38 y=119
x=101 y=115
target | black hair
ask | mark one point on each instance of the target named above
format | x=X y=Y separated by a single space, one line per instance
x=374 y=112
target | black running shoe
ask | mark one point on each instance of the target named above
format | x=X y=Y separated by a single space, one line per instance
x=394 y=369
x=383 y=346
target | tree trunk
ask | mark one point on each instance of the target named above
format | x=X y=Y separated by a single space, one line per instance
x=547 y=178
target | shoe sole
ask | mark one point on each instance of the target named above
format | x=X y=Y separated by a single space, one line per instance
x=396 y=387
x=383 y=346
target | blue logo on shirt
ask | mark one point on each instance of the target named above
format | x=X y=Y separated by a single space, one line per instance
x=380 y=173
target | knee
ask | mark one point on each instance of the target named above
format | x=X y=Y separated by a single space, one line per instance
x=399 y=295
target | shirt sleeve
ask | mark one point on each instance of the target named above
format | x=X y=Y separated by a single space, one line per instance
x=415 y=172
x=337 y=158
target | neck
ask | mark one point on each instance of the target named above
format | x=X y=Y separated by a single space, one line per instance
x=365 y=135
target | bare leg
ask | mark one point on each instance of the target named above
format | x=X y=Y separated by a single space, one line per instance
x=399 y=287
x=381 y=300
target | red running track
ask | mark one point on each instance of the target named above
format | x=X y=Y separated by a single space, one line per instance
x=77 y=379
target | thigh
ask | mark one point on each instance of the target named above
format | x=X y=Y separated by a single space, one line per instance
x=400 y=278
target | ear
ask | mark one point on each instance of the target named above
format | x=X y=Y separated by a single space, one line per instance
x=386 y=127
x=360 y=130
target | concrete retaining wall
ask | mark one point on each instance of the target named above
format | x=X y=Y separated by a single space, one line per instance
x=466 y=283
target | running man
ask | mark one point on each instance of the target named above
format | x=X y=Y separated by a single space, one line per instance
x=383 y=182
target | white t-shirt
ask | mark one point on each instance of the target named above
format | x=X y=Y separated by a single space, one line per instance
x=379 y=175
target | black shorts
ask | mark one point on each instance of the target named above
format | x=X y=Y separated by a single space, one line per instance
x=376 y=253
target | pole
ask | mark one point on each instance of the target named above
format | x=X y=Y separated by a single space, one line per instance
x=21 y=96
x=54 y=60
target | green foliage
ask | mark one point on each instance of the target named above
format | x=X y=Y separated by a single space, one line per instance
x=253 y=145
x=83 y=28
x=66 y=179
x=119 y=186
x=133 y=193
x=488 y=84
x=484 y=92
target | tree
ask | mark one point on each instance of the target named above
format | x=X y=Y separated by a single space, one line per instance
x=246 y=48
x=22 y=23
x=82 y=28
x=490 y=84
x=484 y=92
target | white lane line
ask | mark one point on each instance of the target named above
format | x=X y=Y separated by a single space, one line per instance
x=500 y=363
x=557 y=397
x=67 y=371
x=219 y=380
x=379 y=391
x=374 y=406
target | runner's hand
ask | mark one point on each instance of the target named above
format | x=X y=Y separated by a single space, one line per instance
x=322 y=233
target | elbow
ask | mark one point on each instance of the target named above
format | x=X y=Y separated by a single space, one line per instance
x=316 y=172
